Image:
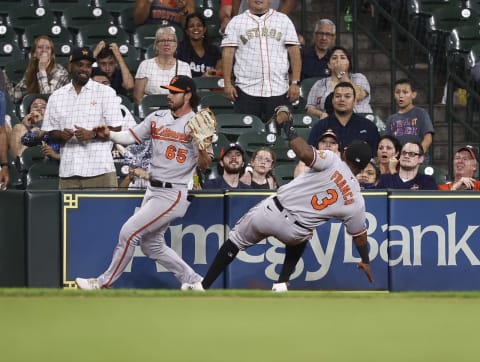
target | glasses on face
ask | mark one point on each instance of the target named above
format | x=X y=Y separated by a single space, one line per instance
x=323 y=34
x=410 y=154
x=166 y=41
x=464 y=159
x=263 y=159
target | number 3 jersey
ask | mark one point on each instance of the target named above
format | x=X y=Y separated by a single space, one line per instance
x=174 y=155
x=329 y=190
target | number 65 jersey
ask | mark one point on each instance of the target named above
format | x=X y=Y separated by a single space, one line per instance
x=174 y=155
x=329 y=190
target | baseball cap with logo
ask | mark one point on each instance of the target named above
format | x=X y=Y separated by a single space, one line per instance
x=471 y=150
x=359 y=153
x=328 y=133
x=83 y=53
x=231 y=146
x=181 y=84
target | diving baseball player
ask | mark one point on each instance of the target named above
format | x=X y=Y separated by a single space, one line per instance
x=174 y=158
x=329 y=190
x=260 y=46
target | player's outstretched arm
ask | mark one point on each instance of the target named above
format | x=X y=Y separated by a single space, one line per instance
x=301 y=148
x=361 y=244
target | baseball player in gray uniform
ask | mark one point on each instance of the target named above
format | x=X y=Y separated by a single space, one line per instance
x=328 y=190
x=174 y=158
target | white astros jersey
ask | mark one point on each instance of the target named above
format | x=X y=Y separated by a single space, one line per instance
x=261 y=56
x=329 y=190
x=174 y=156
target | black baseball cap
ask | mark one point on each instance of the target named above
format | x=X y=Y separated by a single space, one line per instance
x=358 y=153
x=232 y=146
x=84 y=53
x=328 y=133
x=181 y=84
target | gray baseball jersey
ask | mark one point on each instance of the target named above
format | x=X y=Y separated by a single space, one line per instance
x=174 y=158
x=329 y=190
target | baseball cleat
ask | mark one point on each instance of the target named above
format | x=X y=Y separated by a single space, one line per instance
x=279 y=287
x=87 y=284
x=198 y=287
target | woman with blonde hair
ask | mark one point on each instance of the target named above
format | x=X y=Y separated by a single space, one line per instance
x=261 y=175
x=43 y=74
x=155 y=72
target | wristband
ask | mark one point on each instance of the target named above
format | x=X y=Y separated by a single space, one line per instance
x=3 y=164
x=289 y=130
x=363 y=251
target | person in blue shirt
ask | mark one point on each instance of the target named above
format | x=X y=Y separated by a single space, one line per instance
x=408 y=176
x=231 y=167
x=346 y=125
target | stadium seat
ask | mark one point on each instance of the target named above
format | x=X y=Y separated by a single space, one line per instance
x=8 y=34
x=303 y=120
x=207 y=84
x=251 y=141
x=6 y=5
x=220 y=142
x=29 y=157
x=61 y=37
x=57 y=6
x=43 y=175
x=217 y=102
x=151 y=103
x=284 y=173
x=233 y=125
x=9 y=52
x=22 y=16
x=27 y=101
x=125 y=20
x=284 y=153
x=116 y=6
x=78 y=16
x=91 y=34
x=16 y=69
x=306 y=85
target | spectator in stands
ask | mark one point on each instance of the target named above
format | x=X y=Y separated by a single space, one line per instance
x=315 y=58
x=283 y=6
x=205 y=59
x=162 y=12
x=327 y=141
x=4 y=172
x=339 y=65
x=410 y=123
x=71 y=115
x=110 y=61
x=368 y=177
x=347 y=125
x=28 y=133
x=137 y=157
x=388 y=152
x=155 y=72
x=224 y=14
x=231 y=167
x=464 y=168
x=261 y=175
x=408 y=176
x=43 y=75
x=261 y=65
x=100 y=76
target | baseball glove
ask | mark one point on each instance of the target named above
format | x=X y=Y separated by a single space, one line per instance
x=203 y=126
x=282 y=114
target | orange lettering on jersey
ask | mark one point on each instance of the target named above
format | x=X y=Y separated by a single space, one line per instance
x=166 y=134
x=326 y=201
x=341 y=183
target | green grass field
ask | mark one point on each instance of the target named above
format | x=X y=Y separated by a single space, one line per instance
x=138 y=325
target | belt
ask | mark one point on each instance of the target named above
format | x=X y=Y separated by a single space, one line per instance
x=280 y=207
x=157 y=183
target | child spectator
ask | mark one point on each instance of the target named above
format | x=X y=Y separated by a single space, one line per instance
x=368 y=177
x=261 y=176
x=410 y=123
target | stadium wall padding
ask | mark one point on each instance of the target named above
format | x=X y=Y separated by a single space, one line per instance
x=418 y=241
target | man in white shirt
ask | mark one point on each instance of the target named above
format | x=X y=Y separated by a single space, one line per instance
x=72 y=113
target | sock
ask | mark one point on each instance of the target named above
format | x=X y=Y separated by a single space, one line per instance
x=292 y=256
x=225 y=256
